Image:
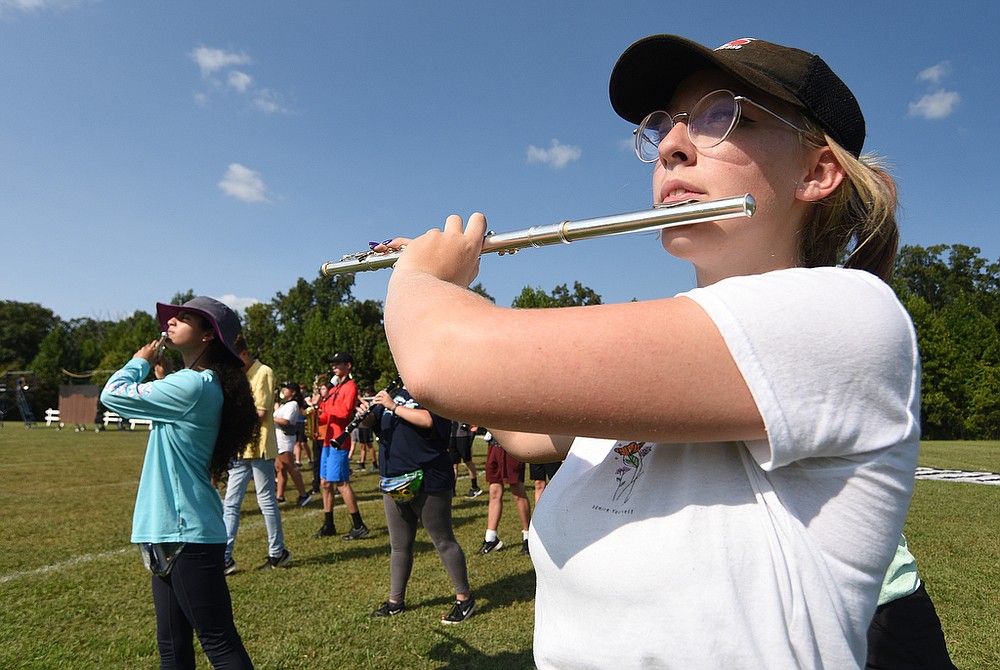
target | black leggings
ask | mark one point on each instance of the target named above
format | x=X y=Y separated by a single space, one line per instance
x=433 y=511
x=194 y=598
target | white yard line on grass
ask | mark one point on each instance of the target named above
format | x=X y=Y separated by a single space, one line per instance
x=965 y=476
x=252 y=524
x=65 y=564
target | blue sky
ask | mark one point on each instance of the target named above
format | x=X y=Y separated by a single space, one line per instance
x=231 y=147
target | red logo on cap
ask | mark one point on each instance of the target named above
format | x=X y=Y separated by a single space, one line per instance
x=736 y=44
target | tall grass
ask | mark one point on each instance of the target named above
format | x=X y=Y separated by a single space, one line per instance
x=75 y=594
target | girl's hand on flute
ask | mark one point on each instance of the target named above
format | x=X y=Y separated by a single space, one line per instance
x=149 y=352
x=451 y=255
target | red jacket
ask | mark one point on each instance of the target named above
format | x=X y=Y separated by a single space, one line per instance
x=337 y=411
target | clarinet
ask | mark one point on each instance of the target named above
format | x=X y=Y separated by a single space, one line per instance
x=338 y=441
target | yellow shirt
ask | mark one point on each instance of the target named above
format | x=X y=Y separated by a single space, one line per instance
x=261 y=379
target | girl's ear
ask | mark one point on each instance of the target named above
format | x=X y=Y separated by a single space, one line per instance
x=824 y=174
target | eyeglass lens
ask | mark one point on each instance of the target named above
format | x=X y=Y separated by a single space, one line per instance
x=708 y=123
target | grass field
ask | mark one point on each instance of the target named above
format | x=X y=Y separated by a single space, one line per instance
x=75 y=594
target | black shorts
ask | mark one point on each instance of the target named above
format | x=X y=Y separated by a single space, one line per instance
x=906 y=633
x=543 y=471
x=460 y=448
x=362 y=435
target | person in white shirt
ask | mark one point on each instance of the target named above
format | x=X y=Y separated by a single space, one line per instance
x=736 y=496
x=286 y=428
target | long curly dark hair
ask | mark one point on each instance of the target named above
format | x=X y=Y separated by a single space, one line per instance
x=240 y=424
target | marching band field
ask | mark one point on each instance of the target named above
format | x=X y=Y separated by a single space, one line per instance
x=76 y=595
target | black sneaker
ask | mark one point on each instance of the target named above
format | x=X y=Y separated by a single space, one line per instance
x=274 y=562
x=230 y=567
x=524 y=549
x=474 y=493
x=325 y=531
x=281 y=500
x=462 y=610
x=388 y=609
x=304 y=500
x=488 y=547
x=356 y=533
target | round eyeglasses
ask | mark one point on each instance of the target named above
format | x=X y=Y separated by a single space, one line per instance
x=709 y=123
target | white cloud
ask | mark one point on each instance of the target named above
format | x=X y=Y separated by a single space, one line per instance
x=244 y=184
x=935 y=73
x=236 y=303
x=935 y=105
x=225 y=71
x=939 y=103
x=211 y=60
x=240 y=81
x=268 y=101
x=556 y=156
x=10 y=7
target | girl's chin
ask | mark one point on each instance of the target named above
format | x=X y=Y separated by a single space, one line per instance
x=679 y=244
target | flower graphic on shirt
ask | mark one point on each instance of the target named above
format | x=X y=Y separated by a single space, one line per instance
x=628 y=474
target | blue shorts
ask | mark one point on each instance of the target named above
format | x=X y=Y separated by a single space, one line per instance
x=334 y=465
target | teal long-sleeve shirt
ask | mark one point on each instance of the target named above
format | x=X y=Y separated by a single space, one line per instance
x=176 y=501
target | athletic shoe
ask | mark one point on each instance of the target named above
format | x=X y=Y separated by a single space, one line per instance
x=325 y=531
x=360 y=468
x=388 y=609
x=524 y=548
x=298 y=464
x=462 y=610
x=230 y=567
x=357 y=533
x=304 y=500
x=274 y=562
x=488 y=547
x=373 y=469
x=474 y=493
x=281 y=500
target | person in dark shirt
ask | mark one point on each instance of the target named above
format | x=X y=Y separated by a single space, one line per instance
x=411 y=441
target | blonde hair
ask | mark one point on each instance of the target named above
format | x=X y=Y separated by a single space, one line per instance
x=855 y=226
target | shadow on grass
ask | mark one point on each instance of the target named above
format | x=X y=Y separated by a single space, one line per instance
x=459 y=654
x=505 y=592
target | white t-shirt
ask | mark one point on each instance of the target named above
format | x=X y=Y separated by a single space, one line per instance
x=290 y=411
x=767 y=554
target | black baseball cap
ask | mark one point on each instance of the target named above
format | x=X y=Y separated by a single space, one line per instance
x=223 y=320
x=648 y=72
x=341 y=357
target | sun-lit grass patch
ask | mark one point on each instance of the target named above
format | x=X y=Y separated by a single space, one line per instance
x=75 y=594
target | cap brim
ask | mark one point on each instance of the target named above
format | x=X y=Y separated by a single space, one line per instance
x=648 y=73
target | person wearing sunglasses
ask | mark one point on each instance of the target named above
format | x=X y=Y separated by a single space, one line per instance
x=736 y=496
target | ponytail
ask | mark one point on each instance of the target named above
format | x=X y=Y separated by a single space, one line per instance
x=855 y=226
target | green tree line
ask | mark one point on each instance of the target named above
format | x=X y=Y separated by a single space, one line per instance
x=951 y=292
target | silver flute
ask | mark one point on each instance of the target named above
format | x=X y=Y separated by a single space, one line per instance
x=661 y=216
